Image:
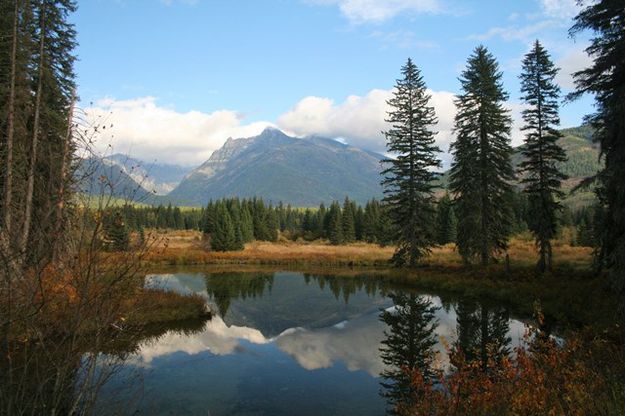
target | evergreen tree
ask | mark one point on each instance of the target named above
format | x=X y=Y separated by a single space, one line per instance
x=481 y=171
x=359 y=219
x=348 y=222
x=117 y=237
x=223 y=237
x=247 y=225
x=605 y=79
x=273 y=224
x=541 y=152
x=209 y=218
x=335 y=224
x=408 y=178
x=371 y=221
x=320 y=229
x=446 y=221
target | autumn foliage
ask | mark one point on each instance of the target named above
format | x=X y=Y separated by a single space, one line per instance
x=544 y=377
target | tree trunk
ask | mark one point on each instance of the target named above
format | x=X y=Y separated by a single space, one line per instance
x=60 y=203
x=30 y=186
x=8 y=181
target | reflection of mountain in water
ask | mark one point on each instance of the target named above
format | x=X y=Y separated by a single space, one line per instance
x=273 y=303
x=323 y=320
x=290 y=343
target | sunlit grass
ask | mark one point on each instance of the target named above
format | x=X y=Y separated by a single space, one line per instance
x=187 y=248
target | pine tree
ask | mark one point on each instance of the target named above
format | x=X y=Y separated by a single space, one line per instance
x=371 y=221
x=319 y=231
x=446 y=221
x=348 y=222
x=117 y=237
x=223 y=237
x=541 y=152
x=481 y=171
x=210 y=218
x=605 y=79
x=335 y=224
x=247 y=225
x=408 y=186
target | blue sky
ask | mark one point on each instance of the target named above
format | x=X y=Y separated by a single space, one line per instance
x=177 y=77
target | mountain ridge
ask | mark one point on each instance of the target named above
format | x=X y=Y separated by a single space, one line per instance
x=300 y=171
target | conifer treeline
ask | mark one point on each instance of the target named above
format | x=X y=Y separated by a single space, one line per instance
x=36 y=98
x=236 y=222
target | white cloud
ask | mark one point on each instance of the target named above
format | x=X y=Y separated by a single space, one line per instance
x=360 y=120
x=522 y=33
x=403 y=39
x=361 y=11
x=569 y=63
x=143 y=129
x=560 y=9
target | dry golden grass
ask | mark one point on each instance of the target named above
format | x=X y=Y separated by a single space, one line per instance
x=187 y=248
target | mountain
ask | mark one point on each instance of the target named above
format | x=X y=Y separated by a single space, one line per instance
x=124 y=177
x=161 y=178
x=277 y=167
x=583 y=161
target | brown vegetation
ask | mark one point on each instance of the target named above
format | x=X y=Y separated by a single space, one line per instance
x=187 y=248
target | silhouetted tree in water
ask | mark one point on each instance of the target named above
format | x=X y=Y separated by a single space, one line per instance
x=482 y=332
x=224 y=287
x=408 y=345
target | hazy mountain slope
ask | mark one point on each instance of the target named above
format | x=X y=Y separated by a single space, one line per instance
x=103 y=177
x=160 y=178
x=302 y=172
x=583 y=161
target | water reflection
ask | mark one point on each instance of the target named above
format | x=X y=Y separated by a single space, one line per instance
x=482 y=332
x=408 y=345
x=292 y=343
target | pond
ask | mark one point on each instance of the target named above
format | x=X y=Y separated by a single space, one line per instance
x=286 y=343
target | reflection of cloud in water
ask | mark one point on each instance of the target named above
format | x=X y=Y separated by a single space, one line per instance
x=355 y=343
x=217 y=338
x=185 y=284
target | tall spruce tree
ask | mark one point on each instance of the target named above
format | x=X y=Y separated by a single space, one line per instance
x=349 y=222
x=446 y=221
x=605 y=79
x=481 y=171
x=408 y=179
x=334 y=222
x=541 y=152
x=223 y=237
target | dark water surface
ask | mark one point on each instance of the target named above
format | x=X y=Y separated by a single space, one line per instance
x=291 y=343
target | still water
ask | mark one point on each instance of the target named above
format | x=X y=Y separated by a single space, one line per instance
x=287 y=343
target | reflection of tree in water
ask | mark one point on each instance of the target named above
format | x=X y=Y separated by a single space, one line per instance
x=65 y=375
x=346 y=286
x=224 y=287
x=482 y=332
x=408 y=345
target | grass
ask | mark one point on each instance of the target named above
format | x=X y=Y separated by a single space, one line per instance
x=187 y=248
x=151 y=306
